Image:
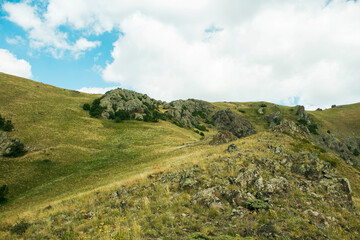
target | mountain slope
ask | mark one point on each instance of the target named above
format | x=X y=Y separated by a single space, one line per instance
x=71 y=182
x=71 y=152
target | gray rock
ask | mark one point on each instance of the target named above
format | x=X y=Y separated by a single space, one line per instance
x=277 y=185
x=234 y=123
x=250 y=178
x=261 y=111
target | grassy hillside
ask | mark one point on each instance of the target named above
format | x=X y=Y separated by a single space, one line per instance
x=342 y=120
x=64 y=186
x=71 y=152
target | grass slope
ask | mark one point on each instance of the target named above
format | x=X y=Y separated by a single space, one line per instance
x=69 y=151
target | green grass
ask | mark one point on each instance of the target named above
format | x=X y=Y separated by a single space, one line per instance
x=81 y=153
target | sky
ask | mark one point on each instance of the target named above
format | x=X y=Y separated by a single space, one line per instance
x=292 y=52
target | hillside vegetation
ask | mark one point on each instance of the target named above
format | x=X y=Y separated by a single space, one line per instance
x=295 y=175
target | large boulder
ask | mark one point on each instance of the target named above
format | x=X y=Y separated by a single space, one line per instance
x=236 y=124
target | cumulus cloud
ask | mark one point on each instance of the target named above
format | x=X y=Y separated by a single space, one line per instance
x=95 y=90
x=43 y=34
x=247 y=50
x=12 y=65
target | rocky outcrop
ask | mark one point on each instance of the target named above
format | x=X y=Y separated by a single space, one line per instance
x=237 y=125
x=135 y=103
x=190 y=112
x=303 y=114
x=11 y=147
x=289 y=127
x=273 y=119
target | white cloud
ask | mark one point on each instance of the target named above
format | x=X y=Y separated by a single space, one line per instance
x=44 y=34
x=17 y=40
x=281 y=52
x=96 y=90
x=269 y=50
x=12 y=65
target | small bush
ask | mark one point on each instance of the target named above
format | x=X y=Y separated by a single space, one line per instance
x=8 y=126
x=200 y=114
x=86 y=107
x=96 y=110
x=2 y=122
x=20 y=228
x=3 y=192
x=328 y=131
x=356 y=152
x=202 y=134
x=17 y=149
x=201 y=127
x=313 y=129
x=349 y=147
x=263 y=105
x=242 y=111
x=198 y=236
x=256 y=204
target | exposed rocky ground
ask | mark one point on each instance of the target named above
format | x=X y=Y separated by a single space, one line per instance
x=272 y=186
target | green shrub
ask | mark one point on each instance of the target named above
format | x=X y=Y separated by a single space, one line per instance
x=202 y=134
x=198 y=236
x=96 y=110
x=263 y=105
x=8 y=126
x=17 y=149
x=86 y=107
x=242 y=111
x=349 y=147
x=313 y=129
x=256 y=204
x=2 y=122
x=328 y=131
x=200 y=114
x=20 y=228
x=201 y=127
x=356 y=152
x=3 y=192
x=302 y=121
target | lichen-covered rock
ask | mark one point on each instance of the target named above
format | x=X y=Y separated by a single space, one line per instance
x=273 y=119
x=290 y=127
x=303 y=114
x=126 y=100
x=277 y=185
x=190 y=112
x=250 y=178
x=237 y=125
x=222 y=137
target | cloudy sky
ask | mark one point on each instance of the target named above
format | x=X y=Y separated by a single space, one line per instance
x=287 y=52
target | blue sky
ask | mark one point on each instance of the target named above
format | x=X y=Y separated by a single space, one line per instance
x=287 y=52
